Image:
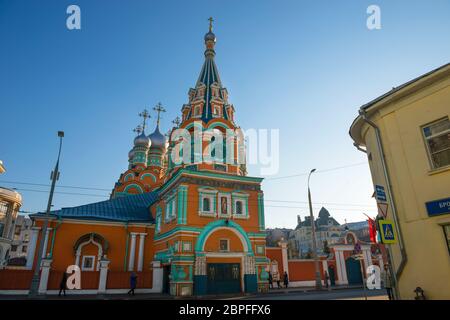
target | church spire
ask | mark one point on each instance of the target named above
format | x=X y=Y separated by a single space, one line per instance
x=145 y=115
x=159 y=108
x=210 y=40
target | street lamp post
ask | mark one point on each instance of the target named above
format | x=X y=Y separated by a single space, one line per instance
x=54 y=176
x=313 y=230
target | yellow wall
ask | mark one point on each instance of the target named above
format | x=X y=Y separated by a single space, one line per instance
x=413 y=184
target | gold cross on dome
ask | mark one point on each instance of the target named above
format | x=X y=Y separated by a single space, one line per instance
x=144 y=114
x=210 y=23
x=159 y=108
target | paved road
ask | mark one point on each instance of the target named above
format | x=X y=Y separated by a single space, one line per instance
x=346 y=294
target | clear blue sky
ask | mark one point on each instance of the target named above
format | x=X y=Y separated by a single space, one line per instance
x=303 y=67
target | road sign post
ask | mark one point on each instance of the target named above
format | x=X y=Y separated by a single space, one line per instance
x=359 y=256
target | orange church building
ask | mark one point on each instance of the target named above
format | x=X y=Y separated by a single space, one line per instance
x=185 y=216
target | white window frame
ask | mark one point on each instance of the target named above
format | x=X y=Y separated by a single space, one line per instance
x=187 y=246
x=219 y=205
x=228 y=244
x=195 y=114
x=158 y=219
x=212 y=196
x=427 y=146
x=243 y=197
x=171 y=208
x=262 y=247
x=83 y=268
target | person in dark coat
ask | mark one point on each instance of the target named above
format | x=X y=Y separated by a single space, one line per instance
x=387 y=281
x=133 y=282
x=327 y=278
x=270 y=280
x=286 y=279
x=63 y=284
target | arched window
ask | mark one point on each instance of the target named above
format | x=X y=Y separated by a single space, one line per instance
x=238 y=207
x=206 y=204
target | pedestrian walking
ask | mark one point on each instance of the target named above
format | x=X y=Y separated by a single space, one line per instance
x=327 y=278
x=285 y=279
x=133 y=281
x=388 y=282
x=270 y=280
x=278 y=280
x=63 y=284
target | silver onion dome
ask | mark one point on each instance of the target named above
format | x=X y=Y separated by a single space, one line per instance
x=131 y=154
x=157 y=139
x=210 y=37
x=142 y=140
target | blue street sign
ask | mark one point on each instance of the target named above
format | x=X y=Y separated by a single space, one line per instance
x=380 y=193
x=438 y=207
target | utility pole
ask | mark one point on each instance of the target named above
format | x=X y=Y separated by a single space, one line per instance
x=54 y=176
x=314 y=246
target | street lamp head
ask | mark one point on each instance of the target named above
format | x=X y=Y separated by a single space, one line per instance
x=313 y=170
x=61 y=134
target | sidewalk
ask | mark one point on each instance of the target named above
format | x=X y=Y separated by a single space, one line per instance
x=158 y=296
x=311 y=289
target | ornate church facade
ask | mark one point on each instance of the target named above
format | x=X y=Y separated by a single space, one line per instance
x=184 y=216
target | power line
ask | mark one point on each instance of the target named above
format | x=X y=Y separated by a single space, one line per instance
x=104 y=189
x=318 y=171
x=250 y=205
x=71 y=193
x=323 y=203
x=58 y=186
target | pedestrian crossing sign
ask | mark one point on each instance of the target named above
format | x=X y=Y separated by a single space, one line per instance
x=387 y=229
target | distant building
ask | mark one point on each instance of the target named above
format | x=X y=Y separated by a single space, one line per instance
x=275 y=235
x=20 y=241
x=361 y=229
x=10 y=202
x=328 y=232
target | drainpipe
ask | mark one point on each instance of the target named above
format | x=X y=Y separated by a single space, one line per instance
x=404 y=257
x=126 y=248
x=54 y=236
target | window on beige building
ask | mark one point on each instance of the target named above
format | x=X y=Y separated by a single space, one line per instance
x=4 y=208
x=437 y=139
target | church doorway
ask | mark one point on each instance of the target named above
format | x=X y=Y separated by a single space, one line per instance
x=332 y=275
x=223 y=278
x=166 y=279
x=353 y=267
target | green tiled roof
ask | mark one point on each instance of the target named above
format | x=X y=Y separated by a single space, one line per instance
x=131 y=208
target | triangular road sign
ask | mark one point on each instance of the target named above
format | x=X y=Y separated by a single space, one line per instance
x=382 y=209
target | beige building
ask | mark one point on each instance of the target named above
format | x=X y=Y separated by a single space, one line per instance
x=406 y=135
x=20 y=242
x=10 y=202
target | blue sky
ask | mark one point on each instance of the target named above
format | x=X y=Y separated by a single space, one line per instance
x=303 y=67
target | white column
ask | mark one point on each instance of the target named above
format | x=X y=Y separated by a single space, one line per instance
x=325 y=268
x=338 y=266
x=367 y=258
x=132 y=252
x=141 y=251
x=77 y=258
x=342 y=268
x=157 y=276
x=103 y=274
x=32 y=247
x=284 y=255
x=45 y=272
x=44 y=252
